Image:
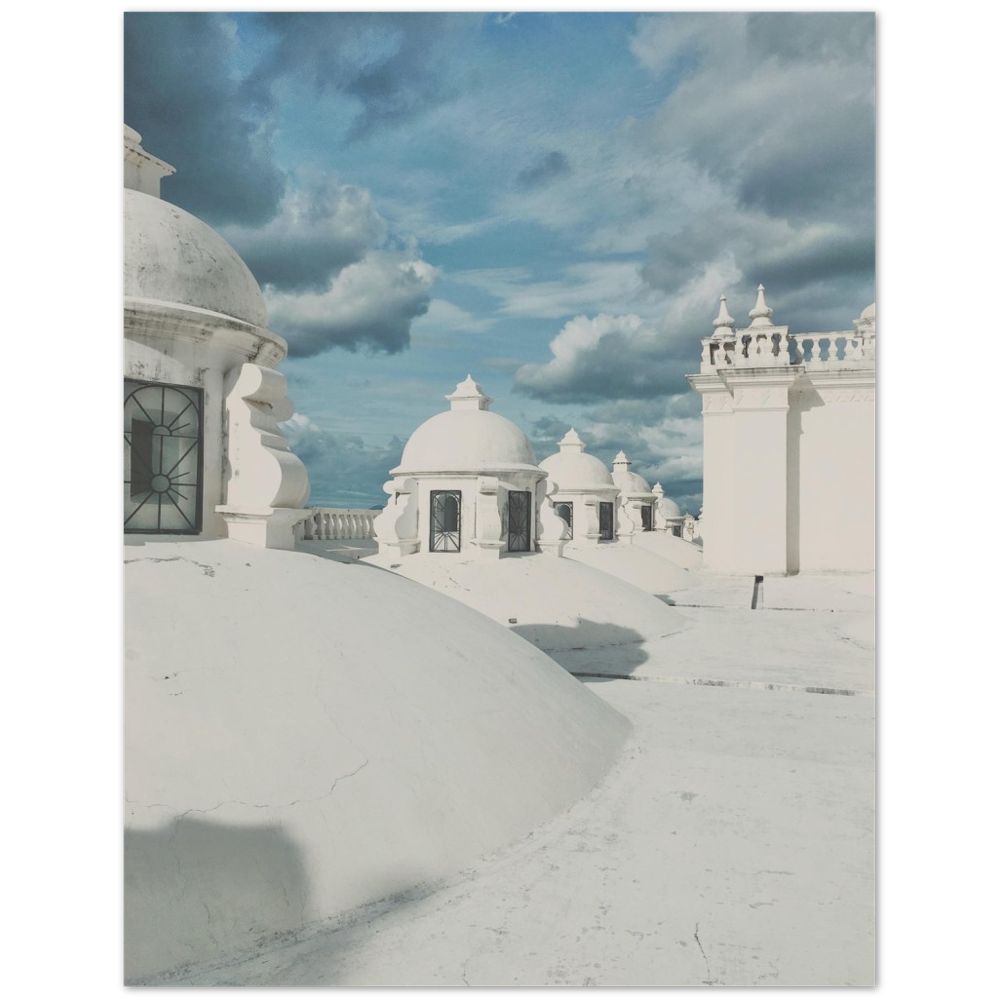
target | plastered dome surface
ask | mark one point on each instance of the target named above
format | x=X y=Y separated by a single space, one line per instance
x=669 y=508
x=466 y=441
x=631 y=483
x=172 y=256
x=577 y=471
x=306 y=736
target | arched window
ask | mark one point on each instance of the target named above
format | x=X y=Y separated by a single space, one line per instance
x=446 y=521
x=163 y=458
x=565 y=511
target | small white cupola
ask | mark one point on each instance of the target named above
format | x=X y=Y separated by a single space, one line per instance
x=468 y=481
x=584 y=494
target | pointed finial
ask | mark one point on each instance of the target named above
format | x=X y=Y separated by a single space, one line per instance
x=658 y=489
x=621 y=459
x=723 y=323
x=571 y=441
x=469 y=395
x=761 y=312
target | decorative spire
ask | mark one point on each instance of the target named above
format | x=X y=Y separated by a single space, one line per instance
x=658 y=489
x=571 y=442
x=469 y=395
x=622 y=459
x=761 y=312
x=724 y=323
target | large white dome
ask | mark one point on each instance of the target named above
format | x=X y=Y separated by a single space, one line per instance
x=284 y=764
x=466 y=438
x=172 y=256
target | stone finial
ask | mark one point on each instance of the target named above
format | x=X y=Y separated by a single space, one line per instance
x=658 y=490
x=469 y=395
x=622 y=459
x=724 y=323
x=571 y=441
x=761 y=312
x=142 y=171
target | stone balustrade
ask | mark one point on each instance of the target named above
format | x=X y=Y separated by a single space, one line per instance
x=326 y=523
x=775 y=348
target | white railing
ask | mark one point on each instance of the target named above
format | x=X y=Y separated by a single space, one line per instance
x=325 y=523
x=770 y=349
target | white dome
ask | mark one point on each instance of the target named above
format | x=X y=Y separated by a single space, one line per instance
x=631 y=483
x=172 y=256
x=578 y=471
x=571 y=468
x=466 y=438
x=667 y=508
x=869 y=313
x=465 y=441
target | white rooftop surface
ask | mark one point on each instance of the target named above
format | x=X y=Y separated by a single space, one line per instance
x=557 y=604
x=732 y=844
x=684 y=554
x=647 y=570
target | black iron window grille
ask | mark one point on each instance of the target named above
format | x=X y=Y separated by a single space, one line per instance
x=647 y=517
x=163 y=458
x=446 y=520
x=607 y=521
x=565 y=511
x=519 y=521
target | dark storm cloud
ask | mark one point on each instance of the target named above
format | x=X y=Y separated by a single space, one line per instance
x=181 y=97
x=321 y=228
x=607 y=357
x=194 y=110
x=344 y=471
x=397 y=65
x=545 y=170
x=825 y=36
x=773 y=254
x=368 y=306
x=824 y=168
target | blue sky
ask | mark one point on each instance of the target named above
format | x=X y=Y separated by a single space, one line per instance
x=550 y=202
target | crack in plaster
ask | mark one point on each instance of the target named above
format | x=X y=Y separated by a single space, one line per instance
x=206 y=569
x=251 y=805
x=710 y=981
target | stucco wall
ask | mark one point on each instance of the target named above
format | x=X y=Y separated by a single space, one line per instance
x=836 y=501
x=719 y=489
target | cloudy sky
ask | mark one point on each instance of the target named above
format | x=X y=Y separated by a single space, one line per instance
x=550 y=202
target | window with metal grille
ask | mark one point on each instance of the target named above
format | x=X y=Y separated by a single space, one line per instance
x=607 y=521
x=163 y=458
x=519 y=521
x=565 y=511
x=446 y=521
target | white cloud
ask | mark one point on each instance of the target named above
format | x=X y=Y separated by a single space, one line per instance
x=370 y=304
x=320 y=229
